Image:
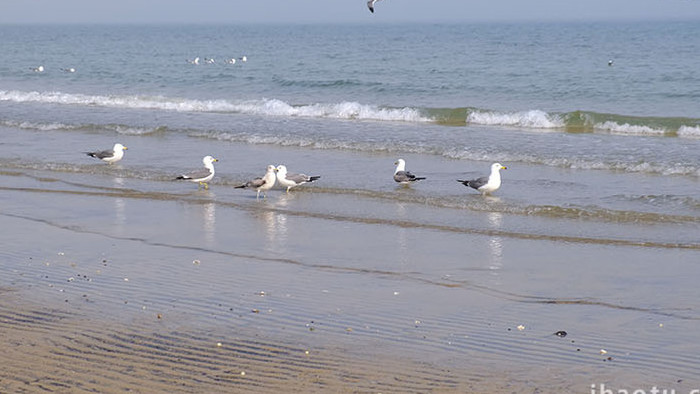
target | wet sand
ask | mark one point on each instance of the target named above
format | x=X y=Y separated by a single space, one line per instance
x=112 y=285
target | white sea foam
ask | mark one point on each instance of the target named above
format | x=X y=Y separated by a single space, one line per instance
x=627 y=128
x=270 y=107
x=535 y=119
x=689 y=131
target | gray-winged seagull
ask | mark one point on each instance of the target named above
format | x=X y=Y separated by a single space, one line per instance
x=202 y=175
x=290 y=180
x=109 y=156
x=402 y=176
x=261 y=184
x=487 y=184
x=370 y=5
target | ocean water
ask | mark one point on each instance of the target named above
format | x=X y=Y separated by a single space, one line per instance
x=535 y=96
x=596 y=228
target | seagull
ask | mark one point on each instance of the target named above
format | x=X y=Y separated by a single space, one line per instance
x=39 y=69
x=68 y=70
x=244 y=58
x=262 y=184
x=194 y=61
x=231 y=61
x=111 y=155
x=489 y=184
x=209 y=61
x=290 y=180
x=201 y=176
x=610 y=62
x=402 y=176
x=370 y=5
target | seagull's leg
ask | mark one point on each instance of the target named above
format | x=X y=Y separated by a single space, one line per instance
x=257 y=197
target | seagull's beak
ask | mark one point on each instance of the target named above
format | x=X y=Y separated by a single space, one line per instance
x=504 y=168
x=125 y=148
x=215 y=160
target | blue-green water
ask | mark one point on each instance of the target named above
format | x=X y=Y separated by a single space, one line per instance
x=594 y=230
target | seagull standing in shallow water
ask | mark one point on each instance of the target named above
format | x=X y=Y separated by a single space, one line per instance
x=111 y=155
x=201 y=176
x=489 y=184
x=402 y=176
x=262 y=184
x=370 y=5
x=290 y=180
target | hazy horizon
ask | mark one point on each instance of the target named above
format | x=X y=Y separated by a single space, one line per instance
x=346 y=12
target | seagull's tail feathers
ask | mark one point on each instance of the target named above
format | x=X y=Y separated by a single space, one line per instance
x=465 y=183
x=314 y=178
x=91 y=154
x=182 y=177
x=243 y=186
x=418 y=178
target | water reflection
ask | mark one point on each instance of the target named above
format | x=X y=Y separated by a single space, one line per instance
x=119 y=207
x=495 y=242
x=275 y=225
x=402 y=238
x=209 y=223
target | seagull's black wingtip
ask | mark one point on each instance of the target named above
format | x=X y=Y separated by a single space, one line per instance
x=371 y=10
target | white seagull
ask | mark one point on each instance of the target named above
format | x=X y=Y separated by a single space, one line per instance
x=290 y=180
x=402 y=176
x=39 y=69
x=244 y=58
x=203 y=175
x=370 y=5
x=262 y=184
x=111 y=155
x=231 y=61
x=489 y=184
x=194 y=61
x=68 y=70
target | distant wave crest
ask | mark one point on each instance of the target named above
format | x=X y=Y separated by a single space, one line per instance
x=534 y=119
x=270 y=107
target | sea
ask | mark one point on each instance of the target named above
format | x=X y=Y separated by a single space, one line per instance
x=596 y=224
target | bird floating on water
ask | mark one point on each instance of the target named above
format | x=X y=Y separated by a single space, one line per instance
x=39 y=69
x=109 y=156
x=68 y=70
x=201 y=176
x=486 y=184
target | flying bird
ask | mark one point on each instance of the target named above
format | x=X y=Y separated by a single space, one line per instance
x=487 y=184
x=402 y=176
x=370 y=5
x=261 y=184
x=111 y=155
x=290 y=180
x=203 y=175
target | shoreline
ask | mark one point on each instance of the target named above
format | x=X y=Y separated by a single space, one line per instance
x=111 y=293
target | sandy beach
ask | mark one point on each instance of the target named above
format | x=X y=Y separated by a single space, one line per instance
x=139 y=288
x=578 y=275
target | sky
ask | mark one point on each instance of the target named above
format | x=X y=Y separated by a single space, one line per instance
x=341 y=11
